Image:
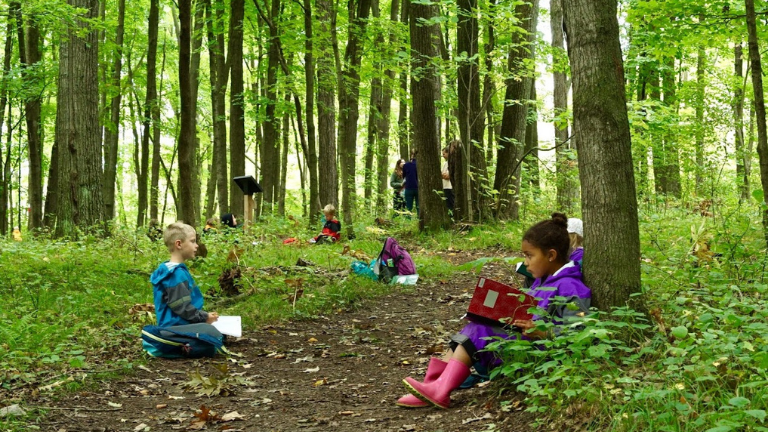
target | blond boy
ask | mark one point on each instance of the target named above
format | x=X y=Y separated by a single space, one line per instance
x=178 y=299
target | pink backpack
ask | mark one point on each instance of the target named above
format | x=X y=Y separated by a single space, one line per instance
x=394 y=257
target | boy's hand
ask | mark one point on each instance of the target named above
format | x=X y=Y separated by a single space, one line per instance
x=212 y=317
x=524 y=324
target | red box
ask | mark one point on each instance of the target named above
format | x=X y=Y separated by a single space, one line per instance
x=493 y=300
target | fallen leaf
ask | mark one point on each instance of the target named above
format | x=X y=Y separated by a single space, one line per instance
x=312 y=340
x=161 y=406
x=312 y=370
x=346 y=413
x=115 y=405
x=323 y=381
x=234 y=415
x=141 y=427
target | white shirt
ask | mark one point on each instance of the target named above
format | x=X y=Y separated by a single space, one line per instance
x=446 y=183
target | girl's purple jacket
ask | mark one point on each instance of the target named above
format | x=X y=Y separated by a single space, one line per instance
x=566 y=282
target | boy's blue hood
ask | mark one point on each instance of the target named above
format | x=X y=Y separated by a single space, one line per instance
x=163 y=272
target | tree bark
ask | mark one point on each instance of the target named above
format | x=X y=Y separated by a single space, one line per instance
x=112 y=129
x=150 y=105
x=156 y=157
x=77 y=127
x=187 y=162
x=670 y=152
x=470 y=115
x=194 y=72
x=328 y=187
x=4 y=181
x=236 y=104
x=270 y=158
x=609 y=203
x=29 y=57
x=514 y=117
x=757 y=85
x=219 y=77
x=531 y=151
x=309 y=77
x=349 y=96
x=742 y=180
x=374 y=114
x=701 y=60
x=566 y=174
x=403 y=124
x=433 y=214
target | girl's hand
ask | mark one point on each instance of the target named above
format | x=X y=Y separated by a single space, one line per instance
x=524 y=324
x=212 y=317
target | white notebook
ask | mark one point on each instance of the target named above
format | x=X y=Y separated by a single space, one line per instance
x=230 y=325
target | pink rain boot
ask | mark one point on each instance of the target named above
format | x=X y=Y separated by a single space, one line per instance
x=434 y=369
x=439 y=391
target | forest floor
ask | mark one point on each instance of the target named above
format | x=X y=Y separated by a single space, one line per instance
x=340 y=372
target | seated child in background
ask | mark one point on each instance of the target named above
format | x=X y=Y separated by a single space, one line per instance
x=210 y=226
x=545 y=247
x=178 y=300
x=228 y=220
x=576 y=233
x=332 y=228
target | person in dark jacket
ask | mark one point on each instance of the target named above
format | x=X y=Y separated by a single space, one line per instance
x=411 y=183
x=545 y=247
x=178 y=300
x=228 y=220
x=396 y=181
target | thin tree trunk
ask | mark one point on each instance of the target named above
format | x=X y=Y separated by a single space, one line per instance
x=187 y=162
x=433 y=214
x=701 y=60
x=566 y=174
x=531 y=145
x=156 y=157
x=150 y=105
x=670 y=151
x=374 y=115
x=757 y=85
x=383 y=126
x=349 y=96
x=112 y=129
x=609 y=203
x=29 y=57
x=219 y=77
x=284 y=161
x=6 y=195
x=194 y=71
x=328 y=189
x=738 y=120
x=4 y=168
x=513 y=122
x=77 y=129
x=270 y=156
x=403 y=124
x=309 y=77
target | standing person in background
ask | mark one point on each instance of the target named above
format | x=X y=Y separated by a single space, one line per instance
x=447 y=187
x=576 y=233
x=411 y=183
x=396 y=181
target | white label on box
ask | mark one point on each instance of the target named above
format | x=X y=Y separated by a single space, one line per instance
x=490 y=299
x=481 y=282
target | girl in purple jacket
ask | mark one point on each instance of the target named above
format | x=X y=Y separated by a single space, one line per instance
x=545 y=248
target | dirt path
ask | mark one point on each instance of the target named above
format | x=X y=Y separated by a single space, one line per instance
x=335 y=373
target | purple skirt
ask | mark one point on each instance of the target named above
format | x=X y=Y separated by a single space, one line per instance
x=477 y=333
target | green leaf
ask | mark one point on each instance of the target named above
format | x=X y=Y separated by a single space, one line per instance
x=680 y=332
x=739 y=402
x=758 y=195
x=758 y=414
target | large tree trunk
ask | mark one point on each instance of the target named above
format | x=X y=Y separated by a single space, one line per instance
x=77 y=127
x=514 y=117
x=150 y=105
x=112 y=129
x=349 y=95
x=270 y=157
x=309 y=77
x=738 y=121
x=470 y=117
x=609 y=203
x=566 y=174
x=236 y=104
x=326 y=107
x=433 y=214
x=29 y=56
x=757 y=85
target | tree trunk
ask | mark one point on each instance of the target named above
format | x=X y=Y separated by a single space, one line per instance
x=77 y=127
x=470 y=116
x=5 y=193
x=757 y=85
x=270 y=158
x=328 y=187
x=309 y=77
x=433 y=214
x=738 y=120
x=29 y=57
x=566 y=174
x=701 y=59
x=513 y=122
x=150 y=105
x=374 y=114
x=670 y=153
x=531 y=151
x=187 y=162
x=156 y=157
x=403 y=125
x=462 y=186
x=284 y=160
x=7 y=54
x=112 y=129
x=349 y=95
x=219 y=77
x=194 y=72
x=609 y=203
x=236 y=104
